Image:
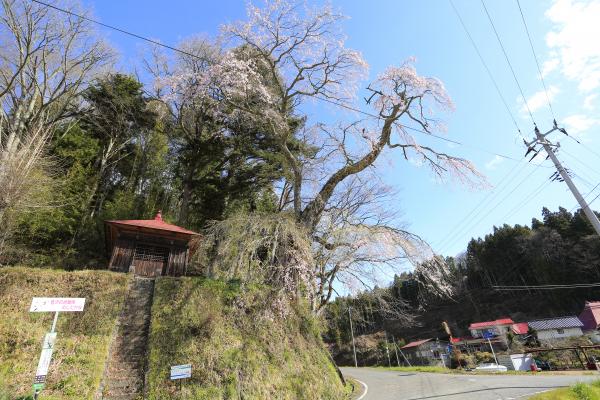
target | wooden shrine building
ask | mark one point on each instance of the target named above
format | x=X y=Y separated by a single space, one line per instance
x=148 y=247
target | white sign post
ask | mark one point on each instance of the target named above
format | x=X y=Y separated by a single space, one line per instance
x=56 y=305
x=179 y=372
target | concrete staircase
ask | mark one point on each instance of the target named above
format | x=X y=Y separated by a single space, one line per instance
x=125 y=370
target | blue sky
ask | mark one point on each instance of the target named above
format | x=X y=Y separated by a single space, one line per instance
x=565 y=34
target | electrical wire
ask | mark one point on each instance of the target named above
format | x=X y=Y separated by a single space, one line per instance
x=536 y=60
x=547 y=287
x=114 y=28
x=526 y=200
x=585 y=197
x=480 y=219
x=324 y=99
x=578 y=160
x=469 y=217
x=585 y=147
x=344 y=105
x=489 y=72
x=594 y=199
x=507 y=60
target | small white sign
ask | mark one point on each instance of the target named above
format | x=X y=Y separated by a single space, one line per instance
x=54 y=304
x=49 y=340
x=181 y=371
x=46 y=356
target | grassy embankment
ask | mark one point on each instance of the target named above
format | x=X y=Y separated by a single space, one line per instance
x=580 y=391
x=235 y=345
x=83 y=337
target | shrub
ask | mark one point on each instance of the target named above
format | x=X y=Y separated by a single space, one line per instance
x=484 y=357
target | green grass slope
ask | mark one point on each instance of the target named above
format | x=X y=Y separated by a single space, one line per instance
x=579 y=391
x=83 y=337
x=236 y=347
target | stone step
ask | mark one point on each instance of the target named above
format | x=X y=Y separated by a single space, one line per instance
x=123 y=396
x=124 y=374
x=113 y=394
x=125 y=382
x=124 y=367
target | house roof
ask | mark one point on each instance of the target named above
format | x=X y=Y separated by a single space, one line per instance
x=520 y=328
x=590 y=316
x=473 y=340
x=486 y=324
x=416 y=343
x=556 y=323
x=157 y=223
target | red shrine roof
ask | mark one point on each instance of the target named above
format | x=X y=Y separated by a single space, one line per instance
x=156 y=223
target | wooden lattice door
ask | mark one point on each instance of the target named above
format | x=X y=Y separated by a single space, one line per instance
x=150 y=260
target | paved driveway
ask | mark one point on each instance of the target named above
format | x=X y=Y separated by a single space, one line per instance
x=394 y=385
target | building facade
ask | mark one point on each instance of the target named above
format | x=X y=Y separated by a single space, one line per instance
x=557 y=328
x=148 y=247
x=499 y=327
x=426 y=352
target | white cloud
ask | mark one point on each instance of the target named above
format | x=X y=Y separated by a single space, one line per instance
x=550 y=66
x=578 y=123
x=494 y=162
x=538 y=99
x=575 y=40
x=588 y=102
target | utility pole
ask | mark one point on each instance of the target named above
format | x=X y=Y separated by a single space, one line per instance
x=352 y=333
x=403 y=355
x=396 y=350
x=387 y=349
x=541 y=139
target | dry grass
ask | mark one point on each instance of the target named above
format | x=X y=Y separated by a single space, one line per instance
x=83 y=338
x=236 y=347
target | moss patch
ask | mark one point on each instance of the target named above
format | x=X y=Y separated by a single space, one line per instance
x=236 y=348
x=83 y=337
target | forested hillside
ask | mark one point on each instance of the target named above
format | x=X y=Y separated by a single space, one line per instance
x=214 y=132
x=562 y=248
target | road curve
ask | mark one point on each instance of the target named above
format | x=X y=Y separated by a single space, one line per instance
x=395 y=385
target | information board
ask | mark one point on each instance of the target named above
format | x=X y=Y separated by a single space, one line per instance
x=181 y=371
x=57 y=304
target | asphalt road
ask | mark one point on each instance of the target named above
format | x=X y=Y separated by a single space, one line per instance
x=394 y=385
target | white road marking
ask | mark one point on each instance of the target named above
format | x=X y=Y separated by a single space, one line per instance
x=366 y=389
x=531 y=394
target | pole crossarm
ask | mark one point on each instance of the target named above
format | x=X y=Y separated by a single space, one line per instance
x=542 y=139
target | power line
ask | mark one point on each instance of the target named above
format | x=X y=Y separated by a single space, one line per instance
x=585 y=147
x=594 y=199
x=115 y=28
x=588 y=174
x=536 y=59
x=489 y=72
x=507 y=59
x=526 y=200
x=351 y=108
x=547 y=287
x=317 y=97
x=478 y=221
x=585 y=197
x=468 y=218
